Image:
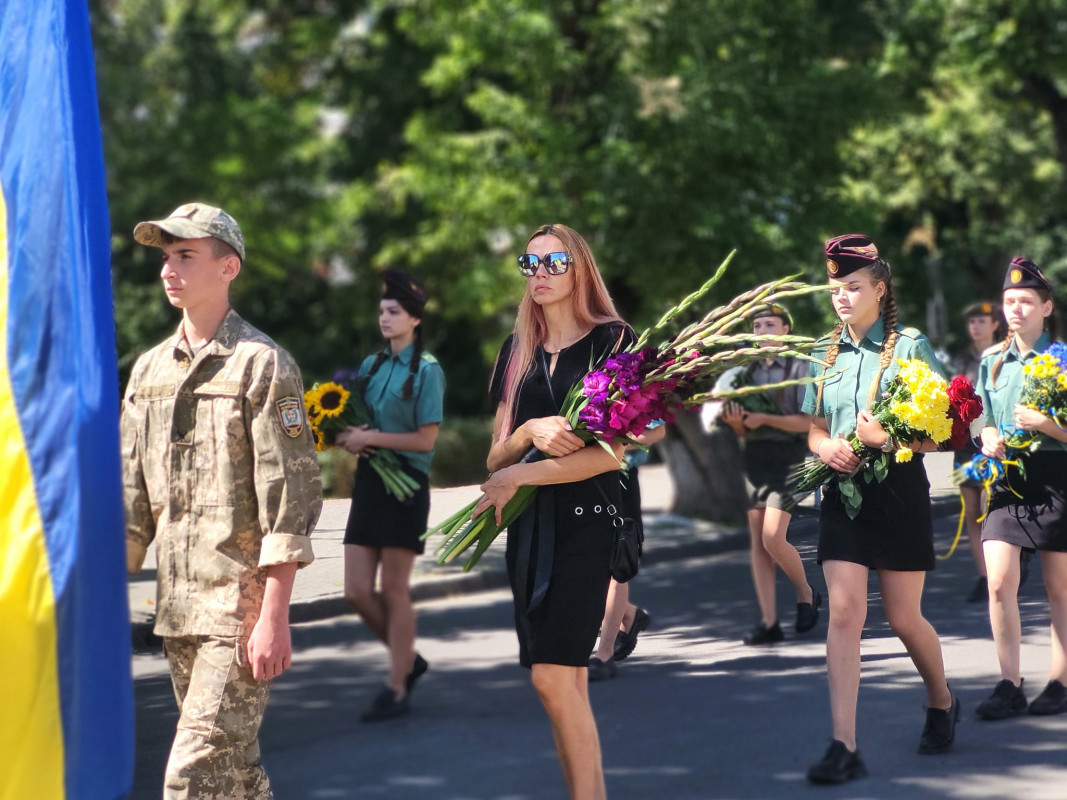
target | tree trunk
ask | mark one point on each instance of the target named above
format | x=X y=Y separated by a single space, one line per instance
x=706 y=470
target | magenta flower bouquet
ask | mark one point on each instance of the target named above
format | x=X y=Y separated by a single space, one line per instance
x=630 y=389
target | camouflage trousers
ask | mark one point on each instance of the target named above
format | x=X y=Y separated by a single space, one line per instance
x=216 y=749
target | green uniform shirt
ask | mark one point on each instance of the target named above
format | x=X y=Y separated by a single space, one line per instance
x=845 y=393
x=392 y=412
x=999 y=400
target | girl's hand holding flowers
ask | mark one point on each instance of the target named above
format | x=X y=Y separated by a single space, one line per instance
x=869 y=430
x=356 y=440
x=1030 y=419
x=837 y=454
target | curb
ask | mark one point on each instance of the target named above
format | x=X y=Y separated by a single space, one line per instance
x=438 y=587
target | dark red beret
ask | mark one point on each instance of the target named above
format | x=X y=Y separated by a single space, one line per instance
x=848 y=253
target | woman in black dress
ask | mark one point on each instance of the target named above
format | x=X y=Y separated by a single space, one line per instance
x=558 y=550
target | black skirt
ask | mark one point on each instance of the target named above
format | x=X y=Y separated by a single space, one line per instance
x=377 y=519
x=1035 y=520
x=894 y=529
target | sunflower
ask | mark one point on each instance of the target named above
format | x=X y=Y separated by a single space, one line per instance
x=327 y=398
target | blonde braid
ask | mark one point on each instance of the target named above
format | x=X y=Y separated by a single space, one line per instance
x=889 y=340
x=830 y=358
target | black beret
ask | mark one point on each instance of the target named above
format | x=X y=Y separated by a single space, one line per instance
x=1025 y=274
x=774 y=310
x=406 y=289
x=848 y=253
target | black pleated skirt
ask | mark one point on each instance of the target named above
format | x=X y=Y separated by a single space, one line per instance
x=1035 y=520
x=894 y=529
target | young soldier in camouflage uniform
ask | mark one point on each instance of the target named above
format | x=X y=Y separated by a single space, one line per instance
x=220 y=470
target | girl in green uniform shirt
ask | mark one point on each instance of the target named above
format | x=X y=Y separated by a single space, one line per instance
x=1028 y=513
x=893 y=530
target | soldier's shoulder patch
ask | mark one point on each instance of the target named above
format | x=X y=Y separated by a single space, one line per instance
x=911 y=333
x=428 y=359
x=291 y=415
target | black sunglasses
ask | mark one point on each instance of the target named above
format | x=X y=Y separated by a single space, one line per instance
x=554 y=263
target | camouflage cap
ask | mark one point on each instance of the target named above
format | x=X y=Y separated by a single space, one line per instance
x=193 y=221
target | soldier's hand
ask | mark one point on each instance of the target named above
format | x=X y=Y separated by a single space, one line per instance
x=270 y=649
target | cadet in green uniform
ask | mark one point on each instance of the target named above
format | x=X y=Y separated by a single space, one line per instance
x=1030 y=512
x=221 y=472
x=774 y=442
x=984 y=327
x=893 y=532
x=405 y=391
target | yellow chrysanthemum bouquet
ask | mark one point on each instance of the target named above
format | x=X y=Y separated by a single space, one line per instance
x=333 y=406
x=915 y=406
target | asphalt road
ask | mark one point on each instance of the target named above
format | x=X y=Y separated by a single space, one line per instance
x=693 y=713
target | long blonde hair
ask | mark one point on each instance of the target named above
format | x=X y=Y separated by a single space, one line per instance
x=590 y=302
x=878 y=271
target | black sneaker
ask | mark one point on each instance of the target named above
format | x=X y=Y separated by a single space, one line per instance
x=626 y=641
x=385 y=706
x=980 y=592
x=1052 y=700
x=1006 y=701
x=940 y=729
x=602 y=670
x=418 y=669
x=761 y=634
x=838 y=765
x=808 y=614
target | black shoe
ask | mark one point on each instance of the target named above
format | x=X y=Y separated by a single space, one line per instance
x=602 y=670
x=761 y=634
x=626 y=641
x=1052 y=700
x=1006 y=701
x=808 y=613
x=838 y=765
x=980 y=592
x=418 y=669
x=940 y=729
x=385 y=706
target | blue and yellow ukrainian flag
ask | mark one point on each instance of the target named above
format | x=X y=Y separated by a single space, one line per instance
x=66 y=702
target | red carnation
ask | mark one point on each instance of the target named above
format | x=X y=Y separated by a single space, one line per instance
x=964 y=407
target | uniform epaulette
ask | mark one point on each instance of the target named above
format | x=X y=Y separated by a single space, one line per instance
x=911 y=333
x=993 y=348
x=429 y=359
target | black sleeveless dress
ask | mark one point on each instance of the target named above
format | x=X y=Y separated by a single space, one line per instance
x=558 y=551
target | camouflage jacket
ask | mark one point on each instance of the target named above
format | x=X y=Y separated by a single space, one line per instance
x=220 y=470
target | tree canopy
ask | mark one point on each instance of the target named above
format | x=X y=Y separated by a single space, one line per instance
x=350 y=135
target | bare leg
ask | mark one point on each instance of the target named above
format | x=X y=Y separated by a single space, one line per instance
x=775 y=525
x=762 y=568
x=972 y=510
x=361 y=569
x=400 y=615
x=846 y=584
x=902 y=599
x=564 y=693
x=1054 y=571
x=614 y=611
x=1002 y=562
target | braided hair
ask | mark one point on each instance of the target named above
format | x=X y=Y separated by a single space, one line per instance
x=878 y=271
x=413 y=366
